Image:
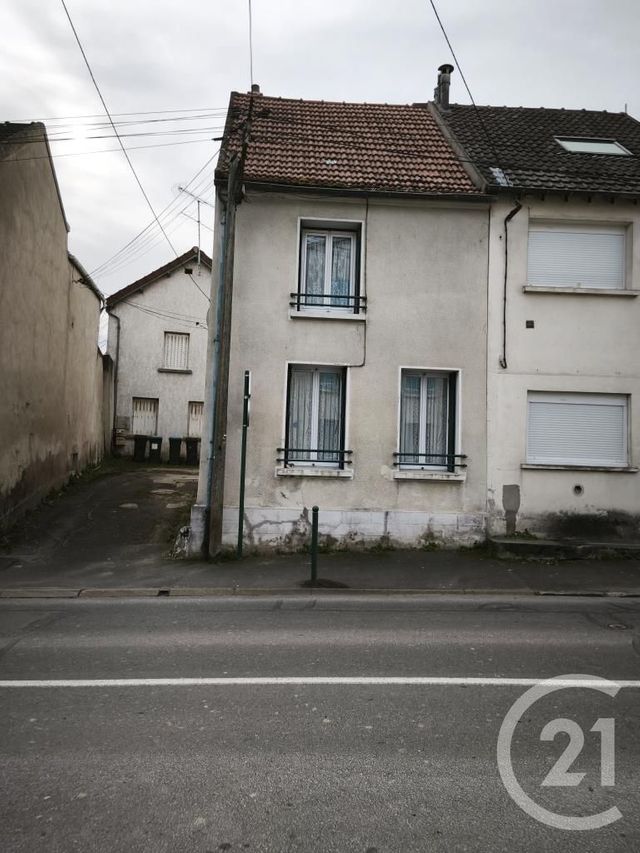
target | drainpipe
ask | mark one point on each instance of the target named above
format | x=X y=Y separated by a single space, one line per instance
x=115 y=381
x=507 y=219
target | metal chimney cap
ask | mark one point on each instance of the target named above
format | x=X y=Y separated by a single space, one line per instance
x=446 y=68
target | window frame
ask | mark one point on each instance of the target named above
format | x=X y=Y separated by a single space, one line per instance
x=353 y=229
x=622 y=229
x=594 y=398
x=620 y=151
x=166 y=368
x=335 y=465
x=453 y=420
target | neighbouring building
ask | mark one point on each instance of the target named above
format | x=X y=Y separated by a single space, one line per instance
x=54 y=382
x=563 y=367
x=158 y=340
x=359 y=307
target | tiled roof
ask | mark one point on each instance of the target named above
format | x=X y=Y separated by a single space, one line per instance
x=520 y=141
x=357 y=147
x=167 y=269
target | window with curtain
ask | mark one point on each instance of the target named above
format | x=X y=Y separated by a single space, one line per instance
x=328 y=270
x=427 y=420
x=315 y=416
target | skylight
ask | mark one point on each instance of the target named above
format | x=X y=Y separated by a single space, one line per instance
x=585 y=145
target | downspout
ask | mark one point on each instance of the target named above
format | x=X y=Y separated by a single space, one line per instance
x=115 y=381
x=214 y=377
x=507 y=219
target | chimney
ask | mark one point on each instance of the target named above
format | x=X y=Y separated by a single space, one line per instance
x=441 y=92
x=255 y=89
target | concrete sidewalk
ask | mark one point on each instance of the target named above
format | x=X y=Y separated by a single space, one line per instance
x=386 y=572
x=111 y=533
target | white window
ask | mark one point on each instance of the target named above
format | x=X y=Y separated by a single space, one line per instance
x=427 y=420
x=585 y=145
x=577 y=429
x=589 y=256
x=194 y=429
x=176 y=351
x=145 y=416
x=315 y=416
x=328 y=271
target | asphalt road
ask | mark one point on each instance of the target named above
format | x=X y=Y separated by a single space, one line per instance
x=354 y=756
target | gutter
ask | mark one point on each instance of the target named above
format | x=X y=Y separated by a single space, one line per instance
x=507 y=219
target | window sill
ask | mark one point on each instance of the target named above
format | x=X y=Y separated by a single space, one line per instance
x=583 y=291
x=424 y=474
x=173 y=370
x=609 y=469
x=335 y=473
x=326 y=315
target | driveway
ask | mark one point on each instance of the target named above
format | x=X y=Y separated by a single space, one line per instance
x=103 y=524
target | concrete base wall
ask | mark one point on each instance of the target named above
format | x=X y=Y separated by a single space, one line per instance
x=290 y=530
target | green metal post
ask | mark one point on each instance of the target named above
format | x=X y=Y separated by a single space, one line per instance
x=314 y=545
x=243 y=458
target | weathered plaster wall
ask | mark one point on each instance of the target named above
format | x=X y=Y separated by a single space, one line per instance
x=172 y=304
x=580 y=342
x=426 y=308
x=51 y=378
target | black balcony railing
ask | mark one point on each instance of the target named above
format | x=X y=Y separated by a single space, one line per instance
x=313 y=456
x=430 y=460
x=356 y=304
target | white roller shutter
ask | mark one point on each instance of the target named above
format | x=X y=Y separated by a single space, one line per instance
x=194 y=429
x=577 y=256
x=577 y=429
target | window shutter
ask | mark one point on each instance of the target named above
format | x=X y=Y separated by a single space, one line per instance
x=176 y=351
x=577 y=429
x=573 y=257
x=194 y=428
x=145 y=416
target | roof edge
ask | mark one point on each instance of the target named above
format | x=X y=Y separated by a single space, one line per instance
x=155 y=275
x=85 y=278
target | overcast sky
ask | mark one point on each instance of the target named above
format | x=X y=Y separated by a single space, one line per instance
x=160 y=55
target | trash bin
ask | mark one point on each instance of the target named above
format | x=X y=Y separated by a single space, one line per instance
x=193 y=447
x=155 y=449
x=175 y=445
x=139 y=447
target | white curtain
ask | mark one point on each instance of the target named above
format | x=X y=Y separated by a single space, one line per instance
x=423 y=419
x=410 y=419
x=436 y=418
x=300 y=412
x=340 y=271
x=315 y=248
x=329 y=415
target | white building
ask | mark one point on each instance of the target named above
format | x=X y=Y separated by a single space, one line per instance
x=359 y=307
x=158 y=341
x=563 y=366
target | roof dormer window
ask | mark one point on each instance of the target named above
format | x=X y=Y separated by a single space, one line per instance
x=588 y=145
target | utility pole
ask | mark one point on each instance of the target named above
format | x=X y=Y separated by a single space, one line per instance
x=234 y=184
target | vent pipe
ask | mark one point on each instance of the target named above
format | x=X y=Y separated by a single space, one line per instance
x=441 y=92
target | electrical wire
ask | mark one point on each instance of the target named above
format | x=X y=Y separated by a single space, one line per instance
x=124 y=150
x=123 y=249
x=464 y=80
x=5 y=161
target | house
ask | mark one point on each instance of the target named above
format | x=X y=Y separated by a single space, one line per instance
x=359 y=308
x=158 y=338
x=54 y=382
x=563 y=346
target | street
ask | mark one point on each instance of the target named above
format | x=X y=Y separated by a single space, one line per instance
x=354 y=754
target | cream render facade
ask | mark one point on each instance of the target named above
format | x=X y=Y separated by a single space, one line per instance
x=584 y=341
x=425 y=311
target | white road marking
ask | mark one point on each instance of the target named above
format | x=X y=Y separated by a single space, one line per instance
x=277 y=681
